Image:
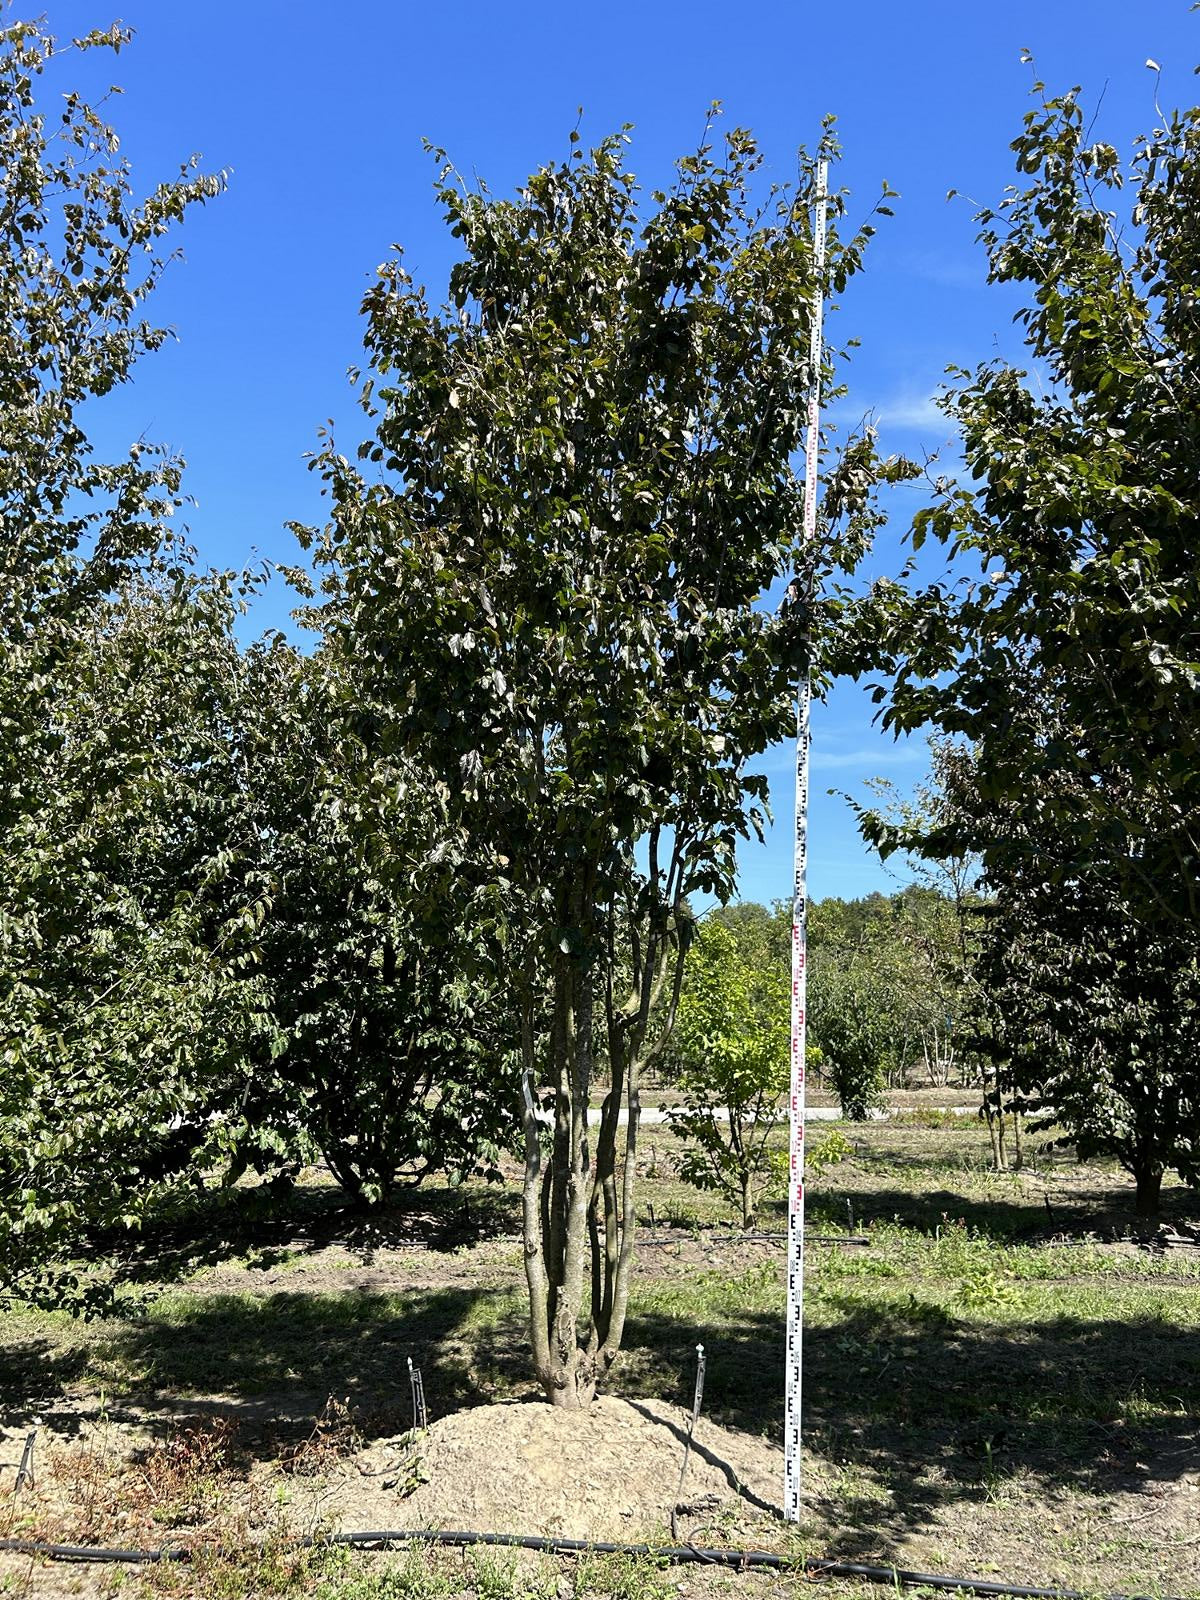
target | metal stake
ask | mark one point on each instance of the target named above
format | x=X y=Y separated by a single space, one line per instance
x=417 y=1383
x=25 y=1470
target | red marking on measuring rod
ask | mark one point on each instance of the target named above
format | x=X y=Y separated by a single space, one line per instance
x=795 y=1273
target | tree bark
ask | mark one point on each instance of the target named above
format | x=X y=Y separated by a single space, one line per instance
x=578 y=1207
x=1148 y=1177
x=531 y=1209
x=993 y=1105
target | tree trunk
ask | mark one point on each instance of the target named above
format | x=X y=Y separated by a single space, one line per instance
x=532 y=1230
x=993 y=1105
x=572 y=1372
x=558 y=1224
x=1149 y=1177
x=578 y=1207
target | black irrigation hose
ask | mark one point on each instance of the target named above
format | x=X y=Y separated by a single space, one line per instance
x=740 y=1560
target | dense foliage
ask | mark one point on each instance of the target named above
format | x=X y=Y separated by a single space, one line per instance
x=552 y=592
x=113 y=962
x=395 y=1036
x=1072 y=666
x=200 y=971
x=730 y=1063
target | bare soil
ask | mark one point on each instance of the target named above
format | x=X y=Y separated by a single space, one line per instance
x=608 y=1473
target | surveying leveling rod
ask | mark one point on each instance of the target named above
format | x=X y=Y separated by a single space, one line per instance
x=795 y=1267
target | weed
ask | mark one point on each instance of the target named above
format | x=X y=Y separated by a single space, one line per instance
x=993 y=1478
x=183 y=1480
x=96 y=1491
x=982 y=1288
x=334 y=1436
x=624 y=1577
x=939 y=1117
x=419 y=1572
x=496 y=1574
x=833 y=1148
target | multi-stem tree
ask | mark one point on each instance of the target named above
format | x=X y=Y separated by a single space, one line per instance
x=551 y=571
x=392 y=1031
x=1093 y=1023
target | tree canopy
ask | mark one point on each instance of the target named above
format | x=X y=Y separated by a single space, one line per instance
x=110 y=694
x=1071 y=665
x=549 y=568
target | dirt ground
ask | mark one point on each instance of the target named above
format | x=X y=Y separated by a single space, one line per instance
x=608 y=1473
x=1004 y=1381
x=611 y=1473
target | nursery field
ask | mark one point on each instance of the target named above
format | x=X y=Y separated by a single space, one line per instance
x=1003 y=1381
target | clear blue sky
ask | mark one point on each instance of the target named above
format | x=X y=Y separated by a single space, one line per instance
x=320 y=112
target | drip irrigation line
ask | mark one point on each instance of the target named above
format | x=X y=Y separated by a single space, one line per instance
x=815 y=1567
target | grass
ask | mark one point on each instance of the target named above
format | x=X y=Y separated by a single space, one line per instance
x=992 y=1385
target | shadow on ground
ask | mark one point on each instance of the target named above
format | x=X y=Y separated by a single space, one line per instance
x=900 y=1396
x=1072 y=1214
x=273 y=1360
x=937 y=1412
x=209 y=1227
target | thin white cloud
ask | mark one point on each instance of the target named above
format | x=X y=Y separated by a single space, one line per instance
x=908 y=408
x=869 y=758
x=913 y=410
x=876 y=756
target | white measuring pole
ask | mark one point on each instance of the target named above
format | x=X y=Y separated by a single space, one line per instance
x=795 y=1269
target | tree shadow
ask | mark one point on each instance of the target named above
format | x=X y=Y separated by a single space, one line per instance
x=35 y=1377
x=930 y=1408
x=938 y=1412
x=207 y=1227
x=272 y=1361
x=1071 y=1213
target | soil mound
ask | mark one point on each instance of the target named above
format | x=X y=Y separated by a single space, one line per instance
x=610 y=1472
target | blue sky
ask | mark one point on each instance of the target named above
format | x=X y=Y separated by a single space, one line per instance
x=319 y=115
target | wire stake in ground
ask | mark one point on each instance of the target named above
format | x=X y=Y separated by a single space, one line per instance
x=420 y=1417
x=697 y=1399
x=25 y=1470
